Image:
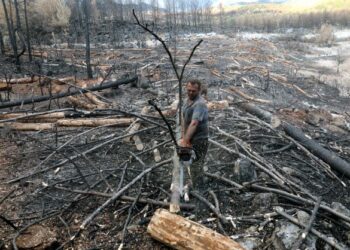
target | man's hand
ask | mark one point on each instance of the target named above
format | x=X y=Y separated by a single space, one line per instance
x=184 y=143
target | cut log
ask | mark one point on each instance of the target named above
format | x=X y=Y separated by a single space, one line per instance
x=81 y=103
x=100 y=104
x=156 y=153
x=94 y=122
x=56 y=115
x=68 y=93
x=28 y=126
x=137 y=124
x=5 y=86
x=90 y=96
x=24 y=80
x=180 y=233
x=175 y=185
x=218 y=105
x=247 y=97
x=138 y=143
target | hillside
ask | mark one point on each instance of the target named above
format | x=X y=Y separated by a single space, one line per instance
x=286 y=6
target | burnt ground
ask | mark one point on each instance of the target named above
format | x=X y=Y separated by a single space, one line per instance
x=44 y=190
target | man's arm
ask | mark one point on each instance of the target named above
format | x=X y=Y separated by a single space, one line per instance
x=189 y=133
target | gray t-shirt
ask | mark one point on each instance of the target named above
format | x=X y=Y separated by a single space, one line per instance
x=197 y=110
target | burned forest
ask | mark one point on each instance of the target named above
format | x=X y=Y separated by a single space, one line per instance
x=97 y=150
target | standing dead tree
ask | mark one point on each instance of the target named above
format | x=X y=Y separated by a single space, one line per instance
x=87 y=10
x=175 y=186
x=27 y=32
x=11 y=32
x=2 y=46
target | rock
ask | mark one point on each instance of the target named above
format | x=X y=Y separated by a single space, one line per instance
x=263 y=202
x=318 y=117
x=335 y=129
x=287 y=233
x=37 y=237
x=303 y=217
x=251 y=230
x=284 y=236
x=244 y=171
x=289 y=171
x=263 y=176
x=249 y=243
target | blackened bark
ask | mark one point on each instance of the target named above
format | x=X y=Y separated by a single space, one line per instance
x=86 y=8
x=11 y=32
x=2 y=46
x=27 y=32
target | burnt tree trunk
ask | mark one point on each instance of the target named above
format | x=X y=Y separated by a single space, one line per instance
x=19 y=29
x=11 y=32
x=86 y=9
x=27 y=32
x=18 y=19
x=2 y=46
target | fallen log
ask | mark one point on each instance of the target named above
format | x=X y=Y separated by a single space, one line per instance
x=135 y=127
x=247 y=97
x=326 y=155
x=51 y=115
x=24 y=80
x=94 y=122
x=25 y=117
x=218 y=105
x=180 y=233
x=68 y=93
x=81 y=103
x=5 y=86
x=28 y=126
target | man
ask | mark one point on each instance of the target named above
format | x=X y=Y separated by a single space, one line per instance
x=195 y=130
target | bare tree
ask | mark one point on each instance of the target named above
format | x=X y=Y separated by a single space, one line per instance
x=140 y=10
x=18 y=30
x=18 y=18
x=221 y=15
x=182 y=10
x=2 y=45
x=207 y=11
x=194 y=5
x=155 y=11
x=11 y=31
x=86 y=9
x=27 y=32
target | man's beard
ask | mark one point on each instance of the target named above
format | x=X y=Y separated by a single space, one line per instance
x=192 y=97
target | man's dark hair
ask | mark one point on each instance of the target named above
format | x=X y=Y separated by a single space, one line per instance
x=195 y=82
